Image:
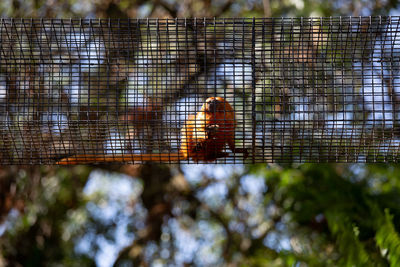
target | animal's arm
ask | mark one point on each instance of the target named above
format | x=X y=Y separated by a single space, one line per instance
x=228 y=122
x=232 y=145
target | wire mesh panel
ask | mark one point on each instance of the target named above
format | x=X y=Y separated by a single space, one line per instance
x=300 y=89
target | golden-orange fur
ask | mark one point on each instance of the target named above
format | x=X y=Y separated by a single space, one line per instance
x=203 y=138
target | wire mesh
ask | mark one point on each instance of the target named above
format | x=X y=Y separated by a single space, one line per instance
x=303 y=89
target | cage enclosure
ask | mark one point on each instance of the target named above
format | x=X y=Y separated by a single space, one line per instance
x=302 y=89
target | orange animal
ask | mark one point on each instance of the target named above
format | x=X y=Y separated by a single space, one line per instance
x=204 y=137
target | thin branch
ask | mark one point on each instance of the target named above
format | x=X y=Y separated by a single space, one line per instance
x=172 y=10
x=267 y=8
x=224 y=8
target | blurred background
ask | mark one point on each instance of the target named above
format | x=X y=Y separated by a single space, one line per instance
x=201 y=215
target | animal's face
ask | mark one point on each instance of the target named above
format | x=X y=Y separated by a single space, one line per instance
x=215 y=104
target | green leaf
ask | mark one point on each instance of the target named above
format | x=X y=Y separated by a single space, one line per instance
x=388 y=240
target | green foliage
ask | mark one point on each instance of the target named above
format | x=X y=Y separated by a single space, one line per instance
x=346 y=207
x=39 y=235
x=346 y=234
x=388 y=239
x=309 y=215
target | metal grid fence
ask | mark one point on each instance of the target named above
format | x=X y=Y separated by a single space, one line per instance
x=303 y=89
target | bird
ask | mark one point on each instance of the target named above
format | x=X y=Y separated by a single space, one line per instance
x=203 y=139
